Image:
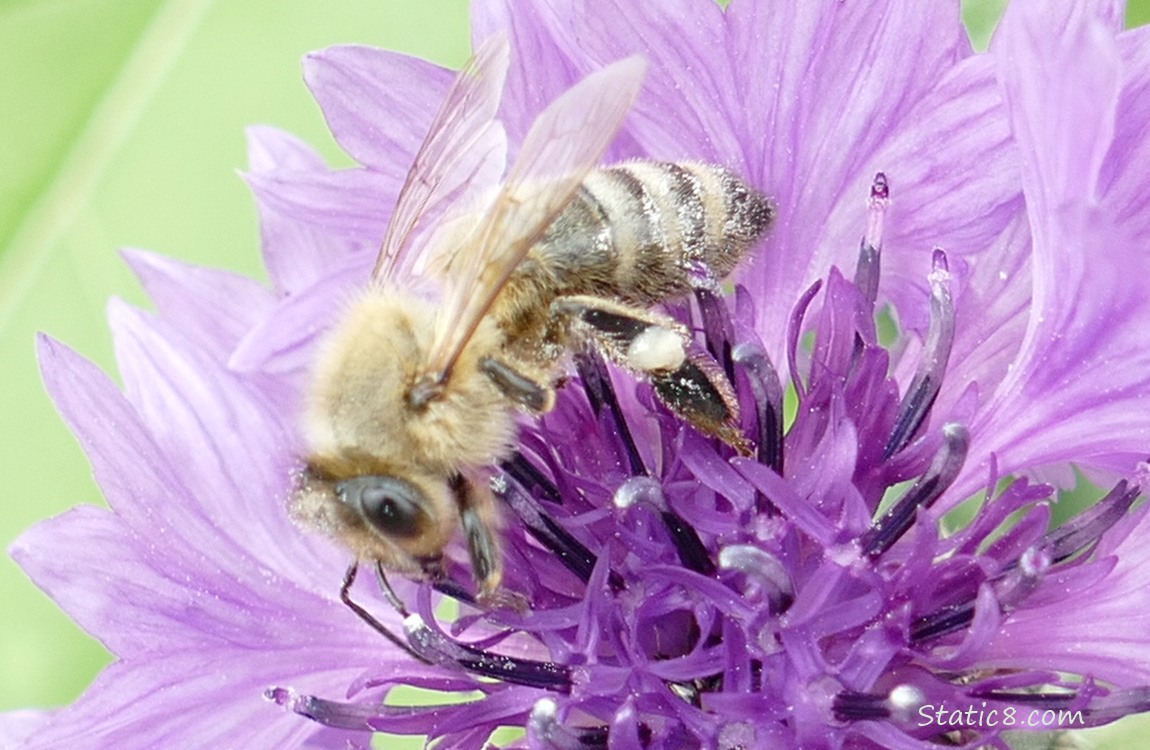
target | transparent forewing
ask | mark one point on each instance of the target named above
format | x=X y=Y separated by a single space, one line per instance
x=566 y=141
x=465 y=148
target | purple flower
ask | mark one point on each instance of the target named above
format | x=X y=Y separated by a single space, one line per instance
x=820 y=594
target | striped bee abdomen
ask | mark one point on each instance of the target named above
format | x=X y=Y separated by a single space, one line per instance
x=646 y=231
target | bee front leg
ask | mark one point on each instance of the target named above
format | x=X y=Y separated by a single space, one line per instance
x=687 y=380
x=479 y=518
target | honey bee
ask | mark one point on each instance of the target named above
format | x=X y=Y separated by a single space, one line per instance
x=467 y=321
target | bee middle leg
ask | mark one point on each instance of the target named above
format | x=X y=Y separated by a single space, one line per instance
x=518 y=387
x=687 y=380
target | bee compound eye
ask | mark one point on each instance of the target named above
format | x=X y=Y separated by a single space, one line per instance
x=390 y=505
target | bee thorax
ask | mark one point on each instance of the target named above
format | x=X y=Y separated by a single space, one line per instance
x=373 y=401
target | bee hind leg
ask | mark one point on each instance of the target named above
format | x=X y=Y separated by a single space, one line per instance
x=699 y=392
x=685 y=378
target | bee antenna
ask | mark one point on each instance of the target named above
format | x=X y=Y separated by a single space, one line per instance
x=376 y=625
x=388 y=592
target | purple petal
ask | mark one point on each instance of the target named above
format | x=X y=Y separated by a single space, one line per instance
x=205 y=418
x=1122 y=180
x=876 y=61
x=153 y=496
x=284 y=342
x=1061 y=88
x=378 y=103
x=271 y=148
x=547 y=59
x=1062 y=96
x=295 y=253
x=213 y=308
x=146 y=600
x=129 y=466
x=17 y=726
x=353 y=205
x=189 y=698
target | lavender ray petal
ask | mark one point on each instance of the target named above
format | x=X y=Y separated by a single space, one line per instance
x=359 y=88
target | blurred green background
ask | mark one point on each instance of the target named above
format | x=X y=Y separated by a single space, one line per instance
x=123 y=125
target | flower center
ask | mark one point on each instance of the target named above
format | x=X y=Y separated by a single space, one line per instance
x=681 y=592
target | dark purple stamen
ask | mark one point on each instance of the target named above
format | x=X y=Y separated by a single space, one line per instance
x=1084 y=530
x=689 y=546
x=692 y=553
x=593 y=372
x=757 y=670
x=1021 y=576
x=544 y=728
x=767 y=390
x=927 y=381
x=352 y=716
x=1077 y=536
x=1011 y=587
x=1107 y=708
x=756 y=367
x=765 y=572
x=436 y=648
x=531 y=478
x=929 y=487
x=717 y=329
x=1044 y=700
x=362 y=717
x=597 y=382
x=949 y=619
x=870 y=249
x=572 y=553
x=853 y=706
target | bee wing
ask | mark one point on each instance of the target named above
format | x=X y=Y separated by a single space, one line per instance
x=565 y=142
x=462 y=139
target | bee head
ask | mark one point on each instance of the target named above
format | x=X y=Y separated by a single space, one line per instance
x=402 y=522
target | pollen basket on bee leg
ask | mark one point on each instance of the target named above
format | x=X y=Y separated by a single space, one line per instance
x=656 y=348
